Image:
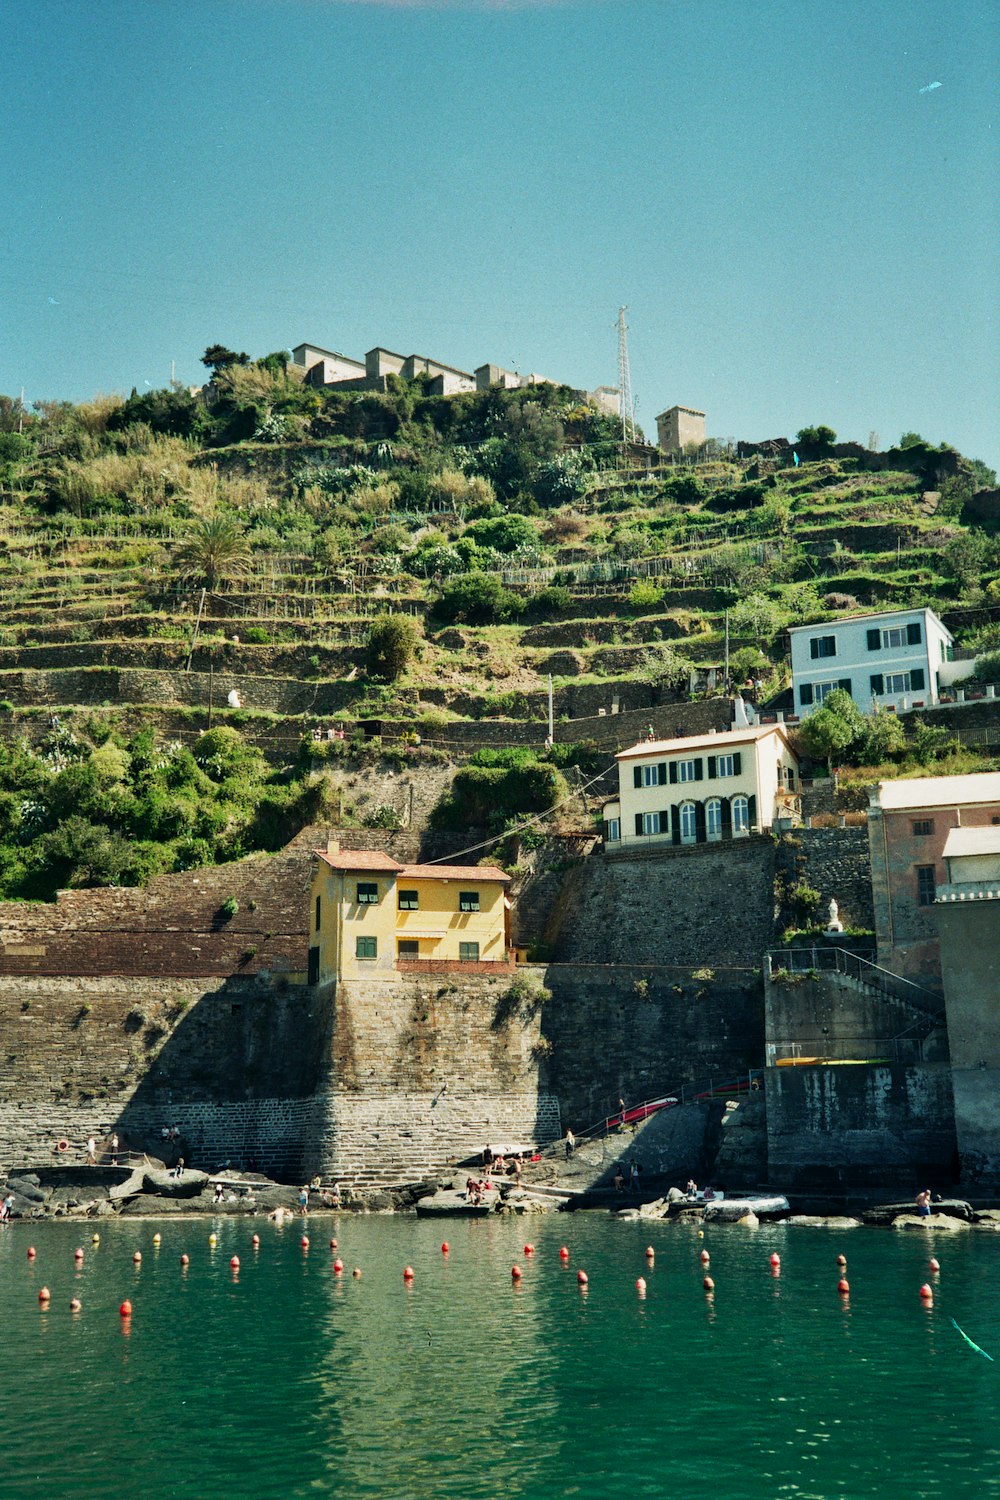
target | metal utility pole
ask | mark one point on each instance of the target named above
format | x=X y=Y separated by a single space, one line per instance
x=552 y=735
x=626 y=405
x=727 y=651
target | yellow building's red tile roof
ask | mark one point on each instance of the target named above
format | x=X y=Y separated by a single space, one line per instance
x=455 y=872
x=358 y=859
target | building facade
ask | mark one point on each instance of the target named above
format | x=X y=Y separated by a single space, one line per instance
x=890 y=660
x=909 y=823
x=703 y=788
x=372 y=915
x=680 y=427
x=968 y=915
x=325 y=367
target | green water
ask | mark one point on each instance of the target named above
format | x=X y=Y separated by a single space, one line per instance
x=290 y=1381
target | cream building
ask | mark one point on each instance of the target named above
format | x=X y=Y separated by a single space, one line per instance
x=703 y=788
x=371 y=914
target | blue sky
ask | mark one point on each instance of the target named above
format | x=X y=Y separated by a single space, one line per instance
x=801 y=235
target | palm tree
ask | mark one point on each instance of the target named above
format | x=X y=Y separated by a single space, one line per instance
x=216 y=550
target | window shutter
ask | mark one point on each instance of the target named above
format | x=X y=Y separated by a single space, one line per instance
x=675 y=824
x=913 y=634
x=917 y=679
x=874 y=640
x=814 y=647
x=752 y=811
x=712 y=767
x=806 y=693
x=699 y=822
x=661 y=773
x=738 y=763
x=877 y=683
x=638 y=825
x=845 y=685
x=699 y=770
x=727 y=818
x=673 y=772
x=830 y=643
x=637 y=776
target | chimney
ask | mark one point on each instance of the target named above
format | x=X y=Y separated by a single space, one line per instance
x=332 y=844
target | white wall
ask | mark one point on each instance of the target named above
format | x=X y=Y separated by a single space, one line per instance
x=855 y=661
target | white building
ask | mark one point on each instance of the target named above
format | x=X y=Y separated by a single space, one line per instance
x=333 y=367
x=891 y=660
x=703 y=788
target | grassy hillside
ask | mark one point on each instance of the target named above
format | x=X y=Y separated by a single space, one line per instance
x=510 y=529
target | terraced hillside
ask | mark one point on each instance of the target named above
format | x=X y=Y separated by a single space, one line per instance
x=170 y=566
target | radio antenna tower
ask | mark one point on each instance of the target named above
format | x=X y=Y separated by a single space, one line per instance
x=626 y=405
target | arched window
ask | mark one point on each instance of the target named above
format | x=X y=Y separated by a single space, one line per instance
x=689 y=823
x=741 y=816
x=713 y=819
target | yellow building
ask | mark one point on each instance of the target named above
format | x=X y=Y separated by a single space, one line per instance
x=703 y=788
x=372 y=915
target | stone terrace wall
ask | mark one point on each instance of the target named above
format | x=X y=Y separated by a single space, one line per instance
x=640 y=1030
x=707 y=904
x=836 y=862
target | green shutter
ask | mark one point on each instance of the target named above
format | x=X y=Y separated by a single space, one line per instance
x=661 y=773
x=673 y=772
x=845 y=685
x=637 y=776
x=877 y=684
x=752 y=811
x=727 y=818
x=638 y=825
x=874 y=640
x=699 y=823
x=917 y=680
x=675 y=824
x=805 y=693
x=699 y=770
x=913 y=634
x=712 y=767
x=738 y=763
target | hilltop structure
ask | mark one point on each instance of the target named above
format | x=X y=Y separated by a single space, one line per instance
x=679 y=428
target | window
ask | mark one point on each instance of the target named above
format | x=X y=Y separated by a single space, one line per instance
x=822 y=690
x=409 y=948
x=650 y=775
x=468 y=953
x=613 y=830
x=889 y=684
x=409 y=901
x=689 y=824
x=725 y=765
x=319 y=907
x=689 y=770
x=922 y=827
x=894 y=637
x=741 y=815
x=822 y=645
x=468 y=900
x=713 y=819
x=926 y=883
x=367 y=893
x=647 y=823
x=366 y=947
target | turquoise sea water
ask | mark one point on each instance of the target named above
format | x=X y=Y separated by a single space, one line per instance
x=290 y=1381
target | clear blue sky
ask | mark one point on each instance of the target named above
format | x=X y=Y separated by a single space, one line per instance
x=800 y=233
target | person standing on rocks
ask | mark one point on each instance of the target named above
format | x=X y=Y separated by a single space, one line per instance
x=570 y=1143
x=924 y=1203
x=91 y=1152
x=114 y=1150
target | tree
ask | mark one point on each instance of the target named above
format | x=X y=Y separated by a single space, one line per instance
x=883 y=738
x=392 y=642
x=504 y=533
x=965 y=557
x=912 y=440
x=756 y=617
x=985 y=478
x=833 y=728
x=821 y=438
x=478 y=599
x=217 y=357
x=216 y=550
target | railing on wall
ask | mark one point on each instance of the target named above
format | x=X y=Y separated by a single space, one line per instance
x=855 y=966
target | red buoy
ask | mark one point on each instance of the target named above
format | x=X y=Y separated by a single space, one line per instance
x=704 y=1257
x=255 y=1242
x=582 y=1278
x=356 y=1273
x=407 y=1273
x=137 y=1256
x=708 y=1284
x=185 y=1259
x=775 y=1258
x=44 y=1295
x=529 y=1249
x=563 y=1253
x=650 y=1252
x=78 y=1254
x=640 y=1286
x=234 y=1262
x=338 y=1266
x=75 y=1304
x=841 y=1260
x=926 y=1293
x=305 y=1242
x=333 y=1244
x=31 y=1252
x=126 y=1309
x=843 y=1286
x=515 y=1273
x=935 y=1265
x=445 y=1247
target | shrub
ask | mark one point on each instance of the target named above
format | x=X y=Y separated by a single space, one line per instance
x=987 y=668
x=645 y=595
x=229 y=908
x=552 y=600
x=392 y=642
x=477 y=599
x=504 y=533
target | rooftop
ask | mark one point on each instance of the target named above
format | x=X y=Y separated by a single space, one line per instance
x=357 y=859
x=965 y=842
x=880 y=614
x=937 y=791
x=724 y=738
x=454 y=872
x=375 y=859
